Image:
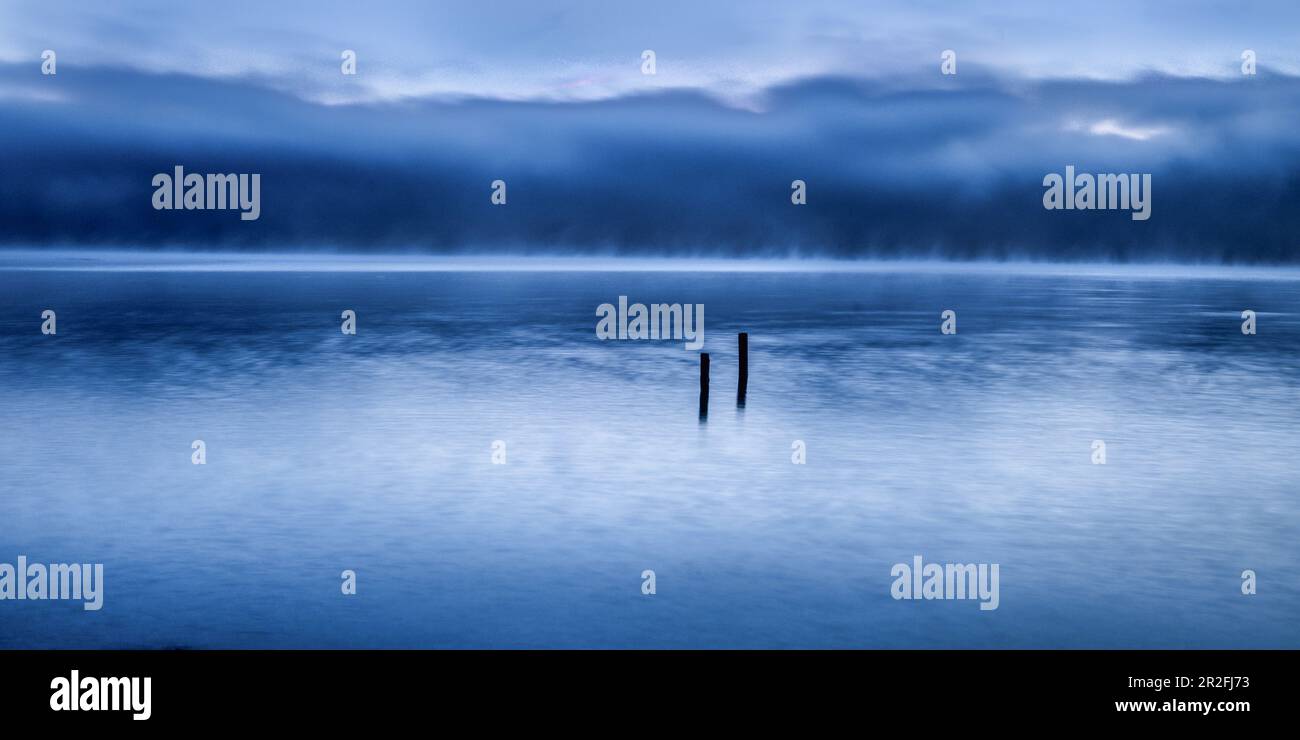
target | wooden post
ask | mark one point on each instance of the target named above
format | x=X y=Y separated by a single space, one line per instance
x=742 y=381
x=704 y=384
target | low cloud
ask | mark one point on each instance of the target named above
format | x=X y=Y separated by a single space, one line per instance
x=917 y=167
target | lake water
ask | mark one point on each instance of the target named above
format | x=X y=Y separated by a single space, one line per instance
x=373 y=453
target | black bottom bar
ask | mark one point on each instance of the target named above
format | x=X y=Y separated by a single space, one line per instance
x=972 y=689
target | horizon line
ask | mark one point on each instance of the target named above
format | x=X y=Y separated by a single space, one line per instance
x=120 y=260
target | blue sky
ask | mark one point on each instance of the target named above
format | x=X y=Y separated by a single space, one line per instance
x=697 y=158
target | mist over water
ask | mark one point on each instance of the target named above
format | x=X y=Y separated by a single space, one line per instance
x=371 y=452
x=909 y=165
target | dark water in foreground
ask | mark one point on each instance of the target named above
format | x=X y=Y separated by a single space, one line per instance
x=372 y=453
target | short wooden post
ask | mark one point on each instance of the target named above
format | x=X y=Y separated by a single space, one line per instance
x=742 y=382
x=704 y=384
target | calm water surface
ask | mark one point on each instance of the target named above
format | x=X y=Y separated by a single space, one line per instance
x=372 y=452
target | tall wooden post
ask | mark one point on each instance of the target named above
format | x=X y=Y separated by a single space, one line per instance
x=742 y=382
x=704 y=384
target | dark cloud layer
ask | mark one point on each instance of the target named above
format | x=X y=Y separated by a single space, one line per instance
x=936 y=167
